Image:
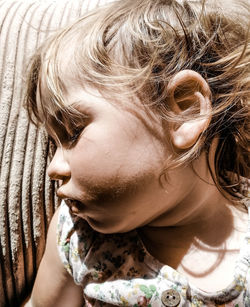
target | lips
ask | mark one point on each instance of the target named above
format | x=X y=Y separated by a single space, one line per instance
x=74 y=205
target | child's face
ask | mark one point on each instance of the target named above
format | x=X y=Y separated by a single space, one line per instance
x=113 y=168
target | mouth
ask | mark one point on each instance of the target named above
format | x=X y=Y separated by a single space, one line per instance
x=75 y=206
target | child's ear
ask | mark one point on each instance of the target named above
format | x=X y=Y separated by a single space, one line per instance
x=188 y=92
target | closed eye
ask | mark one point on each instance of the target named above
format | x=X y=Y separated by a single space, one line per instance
x=66 y=127
x=72 y=139
x=65 y=138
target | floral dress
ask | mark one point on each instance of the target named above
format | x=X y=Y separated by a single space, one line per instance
x=117 y=270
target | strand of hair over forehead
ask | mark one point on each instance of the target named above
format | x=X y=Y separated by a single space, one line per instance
x=50 y=72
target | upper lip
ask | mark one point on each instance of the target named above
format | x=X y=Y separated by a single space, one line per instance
x=69 y=200
x=61 y=195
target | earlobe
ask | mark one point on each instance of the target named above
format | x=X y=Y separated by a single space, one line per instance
x=189 y=93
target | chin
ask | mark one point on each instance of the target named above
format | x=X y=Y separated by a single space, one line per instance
x=106 y=227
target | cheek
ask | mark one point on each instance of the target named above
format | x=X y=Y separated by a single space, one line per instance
x=102 y=178
x=110 y=187
x=96 y=162
x=104 y=151
x=99 y=166
x=111 y=160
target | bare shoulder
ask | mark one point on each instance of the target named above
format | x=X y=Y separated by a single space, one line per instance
x=53 y=285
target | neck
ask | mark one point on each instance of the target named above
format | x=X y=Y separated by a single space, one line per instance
x=174 y=242
x=203 y=218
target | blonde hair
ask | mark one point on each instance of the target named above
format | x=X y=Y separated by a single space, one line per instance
x=134 y=47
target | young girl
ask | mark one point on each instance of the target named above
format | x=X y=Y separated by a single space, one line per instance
x=146 y=101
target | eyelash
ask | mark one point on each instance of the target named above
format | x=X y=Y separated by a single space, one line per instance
x=74 y=138
x=70 y=140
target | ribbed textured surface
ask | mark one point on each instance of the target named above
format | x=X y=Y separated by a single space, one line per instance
x=27 y=198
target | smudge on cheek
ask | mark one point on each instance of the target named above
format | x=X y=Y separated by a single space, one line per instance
x=114 y=189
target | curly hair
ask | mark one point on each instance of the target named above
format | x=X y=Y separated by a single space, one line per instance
x=134 y=47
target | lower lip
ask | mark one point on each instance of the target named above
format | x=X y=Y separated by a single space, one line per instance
x=74 y=205
x=74 y=210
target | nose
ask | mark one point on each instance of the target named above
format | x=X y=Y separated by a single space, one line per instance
x=59 y=168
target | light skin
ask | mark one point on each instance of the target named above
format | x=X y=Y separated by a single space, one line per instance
x=113 y=171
